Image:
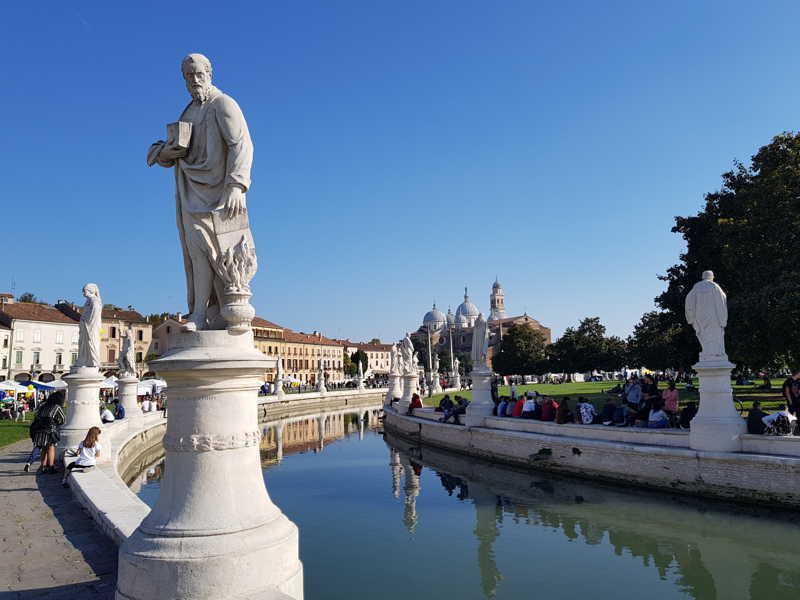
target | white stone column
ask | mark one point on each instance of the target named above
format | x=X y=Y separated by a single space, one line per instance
x=409 y=389
x=127 y=398
x=395 y=388
x=457 y=381
x=214 y=533
x=481 y=405
x=83 y=407
x=717 y=426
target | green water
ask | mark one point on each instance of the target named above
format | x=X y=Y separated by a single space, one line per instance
x=380 y=518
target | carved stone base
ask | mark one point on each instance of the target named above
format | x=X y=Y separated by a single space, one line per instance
x=395 y=388
x=717 y=426
x=409 y=389
x=128 y=387
x=481 y=405
x=214 y=533
x=83 y=407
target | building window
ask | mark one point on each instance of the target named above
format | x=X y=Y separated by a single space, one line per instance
x=75 y=338
x=21 y=335
x=140 y=335
x=74 y=358
x=155 y=347
x=5 y=362
x=5 y=342
x=169 y=329
x=59 y=337
x=18 y=357
x=37 y=335
x=36 y=358
x=113 y=332
x=112 y=355
x=59 y=359
x=138 y=357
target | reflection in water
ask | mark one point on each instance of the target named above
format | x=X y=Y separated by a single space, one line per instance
x=310 y=433
x=713 y=551
x=467 y=529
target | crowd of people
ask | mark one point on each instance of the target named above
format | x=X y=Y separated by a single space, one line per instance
x=637 y=403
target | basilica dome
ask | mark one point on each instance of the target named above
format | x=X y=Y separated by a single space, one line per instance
x=434 y=319
x=468 y=310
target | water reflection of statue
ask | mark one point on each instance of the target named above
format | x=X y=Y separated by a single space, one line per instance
x=397 y=471
x=486 y=531
x=412 y=472
x=89 y=330
x=127 y=358
x=707 y=312
x=480 y=343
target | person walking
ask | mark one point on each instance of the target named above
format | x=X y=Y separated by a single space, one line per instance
x=44 y=432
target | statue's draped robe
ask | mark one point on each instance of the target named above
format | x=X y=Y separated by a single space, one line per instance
x=89 y=333
x=480 y=342
x=127 y=359
x=220 y=153
x=707 y=312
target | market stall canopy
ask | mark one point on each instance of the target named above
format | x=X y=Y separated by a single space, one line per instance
x=109 y=383
x=150 y=386
x=13 y=386
x=40 y=385
x=58 y=384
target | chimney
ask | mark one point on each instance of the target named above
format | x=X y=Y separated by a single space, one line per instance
x=178 y=317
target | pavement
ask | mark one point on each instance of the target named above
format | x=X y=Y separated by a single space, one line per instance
x=51 y=549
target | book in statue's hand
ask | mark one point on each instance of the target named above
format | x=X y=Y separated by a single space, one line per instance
x=179 y=134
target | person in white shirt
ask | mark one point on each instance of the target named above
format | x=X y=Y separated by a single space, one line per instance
x=146 y=404
x=88 y=453
x=769 y=420
x=106 y=416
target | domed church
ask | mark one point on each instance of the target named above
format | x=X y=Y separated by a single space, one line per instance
x=459 y=325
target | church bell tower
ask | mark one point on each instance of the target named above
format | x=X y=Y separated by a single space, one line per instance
x=497 y=302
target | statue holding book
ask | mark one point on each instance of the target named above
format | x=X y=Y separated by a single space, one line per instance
x=210 y=148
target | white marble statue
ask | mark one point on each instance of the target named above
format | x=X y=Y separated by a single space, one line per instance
x=456 y=365
x=435 y=368
x=707 y=312
x=212 y=153
x=360 y=371
x=394 y=366
x=89 y=331
x=127 y=358
x=480 y=342
x=407 y=364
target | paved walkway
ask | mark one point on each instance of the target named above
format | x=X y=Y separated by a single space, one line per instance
x=50 y=547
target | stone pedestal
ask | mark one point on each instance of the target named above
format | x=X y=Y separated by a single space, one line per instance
x=481 y=405
x=717 y=426
x=457 y=381
x=436 y=385
x=279 y=393
x=214 y=533
x=409 y=389
x=128 y=387
x=83 y=407
x=395 y=388
x=321 y=387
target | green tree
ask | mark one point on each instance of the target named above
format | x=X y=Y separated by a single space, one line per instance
x=584 y=348
x=465 y=362
x=374 y=341
x=522 y=351
x=748 y=233
x=654 y=342
x=28 y=297
x=359 y=356
x=347 y=365
x=157 y=319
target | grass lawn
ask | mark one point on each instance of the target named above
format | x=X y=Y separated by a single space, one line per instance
x=11 y=431
x=770 y=399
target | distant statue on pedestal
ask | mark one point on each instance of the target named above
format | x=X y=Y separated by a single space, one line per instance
x=127 y=358
x=480 y=344
x=707 y=313
x=89 y=328
x=407 y=364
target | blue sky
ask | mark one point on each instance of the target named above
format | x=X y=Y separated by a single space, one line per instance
x=403 y=150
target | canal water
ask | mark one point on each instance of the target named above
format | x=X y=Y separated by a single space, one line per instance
x=381 y=518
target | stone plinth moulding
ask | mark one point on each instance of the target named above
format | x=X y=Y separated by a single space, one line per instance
x=395 y=388
x=456 y=381
x=214 y=533
x=128 y=387
x=83 y=406
x=717 y=426
x=481 y=405
x=409 y=389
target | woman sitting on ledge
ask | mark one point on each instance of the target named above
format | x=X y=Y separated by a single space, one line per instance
x=658 y=419
x=416 y=402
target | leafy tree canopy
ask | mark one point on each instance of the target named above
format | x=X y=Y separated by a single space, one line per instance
x=584 y=348
x=522 y=351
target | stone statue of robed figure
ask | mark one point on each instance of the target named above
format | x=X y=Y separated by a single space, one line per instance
x=211 y=152
x=707 y=312
x=89 y=328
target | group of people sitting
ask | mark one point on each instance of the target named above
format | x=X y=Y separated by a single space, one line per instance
x=452 y=409
x=639 y=405
x=782 y=422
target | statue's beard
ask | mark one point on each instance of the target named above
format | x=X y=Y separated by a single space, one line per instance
x=200 y=94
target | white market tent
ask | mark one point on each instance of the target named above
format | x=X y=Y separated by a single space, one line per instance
x=109 y=383
x=57 y=384
x=13 y=386
x=150 y=386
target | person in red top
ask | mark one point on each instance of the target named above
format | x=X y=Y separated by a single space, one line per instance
x=517 y=412
x=416 y=402
x=549 y=407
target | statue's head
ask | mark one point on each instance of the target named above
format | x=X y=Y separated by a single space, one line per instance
x=90 y=290
x=708 y=275
x=196 y=70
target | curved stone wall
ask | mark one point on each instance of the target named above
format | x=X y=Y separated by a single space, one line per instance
x=103 y=491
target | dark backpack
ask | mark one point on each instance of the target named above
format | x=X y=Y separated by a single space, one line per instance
x=782 y=426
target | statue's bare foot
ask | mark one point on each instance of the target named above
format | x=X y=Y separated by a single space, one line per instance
x=189 y=326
